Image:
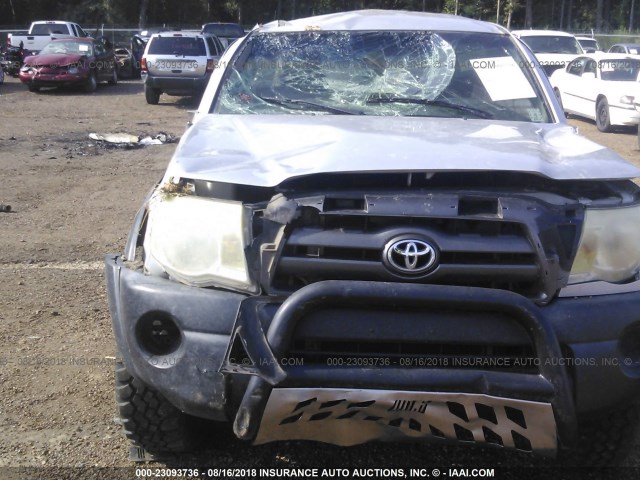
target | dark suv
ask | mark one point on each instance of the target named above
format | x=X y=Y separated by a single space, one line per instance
x=226 y=32
x=381 y=227
x=178 y=63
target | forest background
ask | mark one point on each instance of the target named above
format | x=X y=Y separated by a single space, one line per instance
x=593 y=16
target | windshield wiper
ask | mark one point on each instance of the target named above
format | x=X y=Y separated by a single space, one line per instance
x=289 y=102
x=436 y=103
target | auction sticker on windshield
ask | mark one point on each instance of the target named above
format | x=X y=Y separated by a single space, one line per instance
x=502 y=78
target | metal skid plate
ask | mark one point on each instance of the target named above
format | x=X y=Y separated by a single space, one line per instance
x=350 y=417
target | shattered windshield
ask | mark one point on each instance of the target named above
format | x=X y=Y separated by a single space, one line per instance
x=444 y=74
x=70 y=47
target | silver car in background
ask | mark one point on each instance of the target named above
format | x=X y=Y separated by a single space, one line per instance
x=178 y=63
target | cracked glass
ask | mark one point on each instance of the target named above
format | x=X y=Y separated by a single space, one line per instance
x=415 y=73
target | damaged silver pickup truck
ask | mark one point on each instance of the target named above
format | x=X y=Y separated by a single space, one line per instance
x=381 y=227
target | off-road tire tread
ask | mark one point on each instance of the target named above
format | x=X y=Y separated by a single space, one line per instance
x=607 y=442
x=148 y=419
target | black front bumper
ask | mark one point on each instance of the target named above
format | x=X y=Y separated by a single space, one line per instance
x=202 y=379
x=266 y=351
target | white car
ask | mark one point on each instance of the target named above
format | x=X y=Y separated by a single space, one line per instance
x=602 y=87
x=553 y=49
x=628 y=48
x=589 y=44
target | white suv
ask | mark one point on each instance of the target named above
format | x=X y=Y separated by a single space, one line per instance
x=553 y=49
x=178 y=63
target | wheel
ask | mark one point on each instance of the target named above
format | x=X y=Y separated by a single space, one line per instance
x=1 y=76
x=149 y=420
x=33 y=88
x=152 y=95
x=607 y=441
x=114 y=77
x=91 y=84
x=603 y=121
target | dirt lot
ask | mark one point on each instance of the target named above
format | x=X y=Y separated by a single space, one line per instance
x=72 y=202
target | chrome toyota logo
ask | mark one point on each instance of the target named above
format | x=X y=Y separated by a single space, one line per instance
x=410 y=256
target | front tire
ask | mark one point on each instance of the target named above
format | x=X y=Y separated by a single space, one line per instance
x=91 y=84
x=152 y=95
x=149 y=420
x=607 y=441
x=603 y=120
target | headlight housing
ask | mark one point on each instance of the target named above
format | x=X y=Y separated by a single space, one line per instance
x=609 y=247
x=198 y=241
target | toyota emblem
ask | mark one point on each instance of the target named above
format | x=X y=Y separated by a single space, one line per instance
x=409 y=256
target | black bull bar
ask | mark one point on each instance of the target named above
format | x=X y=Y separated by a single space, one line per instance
x=266 y=350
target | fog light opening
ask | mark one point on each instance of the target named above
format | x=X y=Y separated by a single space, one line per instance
x=158 y=334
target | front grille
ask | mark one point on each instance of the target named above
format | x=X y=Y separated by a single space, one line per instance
x=499 y=257
x=402 y=336
x=507 y=243
x=51 y=69
x=518 y=244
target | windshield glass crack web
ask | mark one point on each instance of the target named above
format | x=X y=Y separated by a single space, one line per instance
x=337 y=69
x=386 y=73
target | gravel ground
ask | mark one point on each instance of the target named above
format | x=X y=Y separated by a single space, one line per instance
x=72 y=202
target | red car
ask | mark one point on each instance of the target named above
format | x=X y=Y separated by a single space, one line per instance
x=71 y=61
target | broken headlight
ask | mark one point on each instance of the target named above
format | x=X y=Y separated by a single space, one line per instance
x=198 y=241
x=609 y=248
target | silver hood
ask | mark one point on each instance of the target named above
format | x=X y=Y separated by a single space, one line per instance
x=265 y=150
